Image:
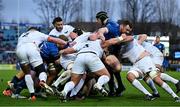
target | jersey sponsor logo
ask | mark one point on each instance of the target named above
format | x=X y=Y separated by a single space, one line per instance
x=66 y=32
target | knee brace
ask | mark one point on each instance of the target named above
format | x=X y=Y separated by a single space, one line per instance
x=153 y=74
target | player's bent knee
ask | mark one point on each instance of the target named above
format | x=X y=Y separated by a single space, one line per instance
x=75 y=78
x=20 y=74
x=132 y=75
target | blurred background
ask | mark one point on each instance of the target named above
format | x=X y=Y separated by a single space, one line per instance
x=153 y=17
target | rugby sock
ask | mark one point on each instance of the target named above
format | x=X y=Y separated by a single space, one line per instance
x=168 y=89
x=103 y=80
x=166 y=77
x=139 y=86
x=43 y=76
x=63 y=77
x=151 y=84
x=15 y=80
x=77 y=88
x=111 y=82
x=29 y=83
x=119 y=80
x=68 y=87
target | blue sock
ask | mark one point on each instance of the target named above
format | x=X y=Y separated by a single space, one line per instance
x=15 y=80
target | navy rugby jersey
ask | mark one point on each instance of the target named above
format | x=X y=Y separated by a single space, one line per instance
x=49 y=51
x=113 y=29
x=160 y=46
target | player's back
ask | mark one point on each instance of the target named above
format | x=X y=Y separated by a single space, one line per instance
x=49 y=51
x=133 y=50
x=93 y=46
x=152 y=49
x=113 y=29
x=34 y=37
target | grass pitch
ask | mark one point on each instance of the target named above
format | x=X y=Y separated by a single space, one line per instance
x=131 y=97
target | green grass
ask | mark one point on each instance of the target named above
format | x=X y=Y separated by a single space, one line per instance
x=131 y=97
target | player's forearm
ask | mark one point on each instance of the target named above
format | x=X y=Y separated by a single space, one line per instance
x=120 y=39
x=67 y=51
x=127 y=39
x=57 y=40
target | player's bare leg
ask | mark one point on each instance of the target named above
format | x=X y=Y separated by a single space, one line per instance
x=156 y=77
x=131 y=77
x=166 y=77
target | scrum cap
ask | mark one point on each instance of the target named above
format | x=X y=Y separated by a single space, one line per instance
x=102 y=15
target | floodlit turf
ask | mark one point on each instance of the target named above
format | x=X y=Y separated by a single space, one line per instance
x=131 y=97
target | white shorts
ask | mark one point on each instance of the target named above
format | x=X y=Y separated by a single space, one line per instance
x=86 y=61
x=157 y=60
x=66 y=60
x=29 y=54
x=144 y=65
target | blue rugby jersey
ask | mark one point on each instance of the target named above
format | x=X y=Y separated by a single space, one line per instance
x=49 y=51
x=160 y=46
x=113 y=29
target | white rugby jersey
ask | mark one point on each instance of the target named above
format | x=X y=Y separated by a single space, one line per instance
x=90 y=46
x=82 y=38
x=152 y=49
x=71 y=57
x=133 y=50
x=35 y=37
x=67 y=29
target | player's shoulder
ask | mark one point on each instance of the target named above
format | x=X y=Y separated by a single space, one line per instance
x=161 y=44
x=52 y=31
x=112 y=22
x=68 y=27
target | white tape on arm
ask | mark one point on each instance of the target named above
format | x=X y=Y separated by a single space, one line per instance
x=120 y=39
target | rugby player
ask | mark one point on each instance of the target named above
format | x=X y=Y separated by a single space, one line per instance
x=142 y=63
x=110 y=29
x=28 y=54
x=82 y=63
x=60 y=28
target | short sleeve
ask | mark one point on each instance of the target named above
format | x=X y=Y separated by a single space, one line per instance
x=43 y=36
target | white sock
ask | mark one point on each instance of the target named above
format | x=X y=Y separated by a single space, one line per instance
x=68 y=87
x=29 y=83
x=63 y=77
x=139 y=86
x=103 y=80
x=151 y=84
x=166 y=77
x=77 y=88
x=168 y=89
x=43 y=76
